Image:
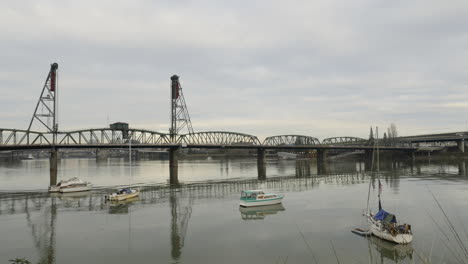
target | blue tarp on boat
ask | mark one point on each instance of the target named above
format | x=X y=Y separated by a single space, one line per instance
x=124 y=191
x=382 y=215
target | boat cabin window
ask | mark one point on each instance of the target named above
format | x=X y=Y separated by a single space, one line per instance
x=249 y=195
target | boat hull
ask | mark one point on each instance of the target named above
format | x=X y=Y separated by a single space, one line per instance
x=54 y=189
x=122 y=197
x=75 y=189
x=252 y=203
x=383 y=234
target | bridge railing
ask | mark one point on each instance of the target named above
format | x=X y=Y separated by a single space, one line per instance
x=290 y=140
x=218 y=138
x=97 y=136
x=24 y=137
x=107 y=136
x=345 y=141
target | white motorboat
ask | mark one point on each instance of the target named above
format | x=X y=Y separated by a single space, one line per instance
x=71 y=185
x=385 y=226
x=259 y=198
x=123 y=194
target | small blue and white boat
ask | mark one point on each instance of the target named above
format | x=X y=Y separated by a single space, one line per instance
x=259 y=198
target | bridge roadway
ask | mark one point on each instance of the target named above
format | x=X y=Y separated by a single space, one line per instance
x=205 y=146
x=442 y=137
x=457 y=137
x=107 y=138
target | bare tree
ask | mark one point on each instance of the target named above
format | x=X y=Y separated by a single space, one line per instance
x=392 y=131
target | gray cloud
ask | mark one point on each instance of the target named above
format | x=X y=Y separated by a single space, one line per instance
x=321 y=68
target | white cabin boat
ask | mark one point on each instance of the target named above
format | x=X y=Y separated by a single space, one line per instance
x=123 y=194
x=259 y=198
x=385 y=226
x=71 y=185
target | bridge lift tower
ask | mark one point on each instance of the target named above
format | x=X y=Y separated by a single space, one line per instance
x=180 y=117
x=46 y=113
x=47 y=105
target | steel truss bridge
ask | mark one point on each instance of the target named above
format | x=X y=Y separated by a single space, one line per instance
x=119 y=135
x=15 y=139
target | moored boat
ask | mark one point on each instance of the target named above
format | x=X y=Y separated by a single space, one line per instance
x=123 y=194
x=71 y=185
x=259 y=198
x=385 y=226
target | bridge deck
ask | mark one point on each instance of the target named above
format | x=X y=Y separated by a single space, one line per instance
x=204 y=146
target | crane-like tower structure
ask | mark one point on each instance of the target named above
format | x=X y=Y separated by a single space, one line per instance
x=180 y=117
x=47 y=105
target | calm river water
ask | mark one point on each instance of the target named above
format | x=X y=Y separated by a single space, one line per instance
x=201 y=222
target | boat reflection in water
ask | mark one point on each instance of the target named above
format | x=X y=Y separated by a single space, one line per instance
x=121 y=207
x=260 y=212
x=71 y=195
x=388 y=250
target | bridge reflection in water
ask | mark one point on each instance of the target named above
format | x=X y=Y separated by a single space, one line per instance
x=41 y=210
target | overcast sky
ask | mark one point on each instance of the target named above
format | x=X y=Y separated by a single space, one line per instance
x=321 y=68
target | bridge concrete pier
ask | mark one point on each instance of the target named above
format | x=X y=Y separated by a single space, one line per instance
x=462 y=168
x=174 y=166
x=102 y=154
x=303 y=168
x=261 y=164
x=53 y=166
x=461 y=145
x=322 y=167
x=368 y=153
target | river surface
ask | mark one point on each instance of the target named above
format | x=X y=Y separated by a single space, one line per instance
x=201 y=222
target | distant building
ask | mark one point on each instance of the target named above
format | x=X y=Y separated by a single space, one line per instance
x=120 y=126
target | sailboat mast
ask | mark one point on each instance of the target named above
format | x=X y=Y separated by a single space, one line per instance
x=372 y=169
x=377 y=140
x=130 y=156
x=378 y=167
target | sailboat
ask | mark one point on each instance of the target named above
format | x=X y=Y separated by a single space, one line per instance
x=125 y=193
x=384 y=224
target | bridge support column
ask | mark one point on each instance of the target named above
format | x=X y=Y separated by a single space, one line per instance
x=261 y=164
x=303 y=168
x=368 y=153
x=461 y=145
x=174 y=166
x=462 y=168
x=53 y=166
x=321 y=161
x=102 y=154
